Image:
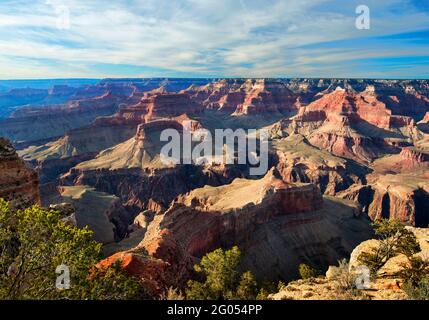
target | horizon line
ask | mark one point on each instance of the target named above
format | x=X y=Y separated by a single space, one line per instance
x=210 y=78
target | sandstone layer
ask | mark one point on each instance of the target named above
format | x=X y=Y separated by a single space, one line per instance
x=352 y=125
x=248 y=97
x=298 y=161
x=403 y=197
x=133 y=170
x=18 y=184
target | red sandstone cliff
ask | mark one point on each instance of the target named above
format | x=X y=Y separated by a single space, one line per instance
x=425 y=118
x=18 y=184
x=353 y=125
x=248 y=97
x=78 y=145
x=404 y=197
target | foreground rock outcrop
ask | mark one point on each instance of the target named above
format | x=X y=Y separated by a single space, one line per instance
x=18 y=184
x=385 y=285
x=152 y=272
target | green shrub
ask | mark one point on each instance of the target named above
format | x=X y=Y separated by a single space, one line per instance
x=374 y=259
x=414 y=271
x=222 y=279
x=417 y=292
x=281 y=286
x=262 y=294
x=307 y=272
x=34 y=242
x=394 y=239
x=247 y=288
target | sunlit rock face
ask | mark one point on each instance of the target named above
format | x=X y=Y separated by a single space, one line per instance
x=246 y=97
x=353 y=125
x=18 y=184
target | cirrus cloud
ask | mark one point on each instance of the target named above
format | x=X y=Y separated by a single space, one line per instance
x=229 y=38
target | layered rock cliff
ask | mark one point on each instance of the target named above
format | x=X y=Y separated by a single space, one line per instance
x=276 y=225
x=424 y=123
x=47 y=123
x=403 y=197
x=246 y=97
x=101 y=212
x=133 y=170
x=298 y=161
x=352 y=125
x=353 y=139
x=18 y=184
x=57 y=157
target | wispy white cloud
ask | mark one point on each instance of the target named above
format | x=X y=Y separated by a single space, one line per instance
x=206 y=38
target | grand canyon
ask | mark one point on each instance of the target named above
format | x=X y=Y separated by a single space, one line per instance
x=342 y=153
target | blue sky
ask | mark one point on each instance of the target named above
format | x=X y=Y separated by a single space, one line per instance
x=213 y=38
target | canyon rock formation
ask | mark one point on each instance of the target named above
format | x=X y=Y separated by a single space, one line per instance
x=246 y=97
x=351 y=125
x=18 y=183
x=424 y=123
x=276 y=224
x=341 y=152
